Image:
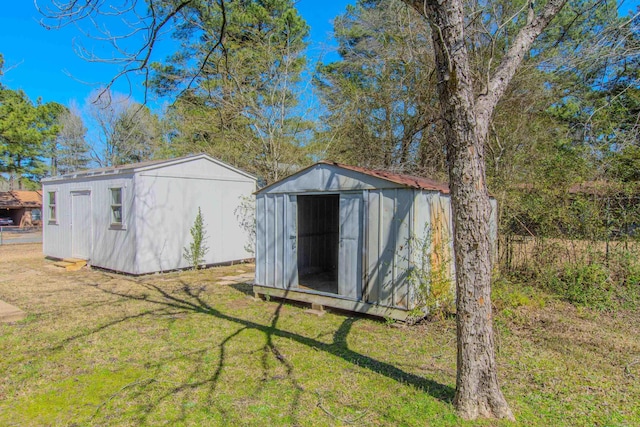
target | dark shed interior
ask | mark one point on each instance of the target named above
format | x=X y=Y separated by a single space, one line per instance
x=318 y=238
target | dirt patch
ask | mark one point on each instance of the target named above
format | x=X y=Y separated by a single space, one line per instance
x=27 y=251
x=10 y=313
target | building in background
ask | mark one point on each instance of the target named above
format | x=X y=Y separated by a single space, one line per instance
x=22 y=207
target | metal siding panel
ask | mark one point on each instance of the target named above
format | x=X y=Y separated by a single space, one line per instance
x=279 y=241
x=387 y=246
x=420 y=234
x=270 y=241
x=291 y=239
x=423 y=214
x=350 y=248
x=365 y=245
x=261 y=238
x=402 y=223
x=373 y=249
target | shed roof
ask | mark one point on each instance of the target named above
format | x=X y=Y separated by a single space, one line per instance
x=141 y=166
x=20 y=199
x=402 y=180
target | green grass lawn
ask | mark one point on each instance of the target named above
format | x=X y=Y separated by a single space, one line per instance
x=180 y=349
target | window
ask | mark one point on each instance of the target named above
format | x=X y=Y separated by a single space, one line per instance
x=116 y=206
x=52 y=206
x=36 y=215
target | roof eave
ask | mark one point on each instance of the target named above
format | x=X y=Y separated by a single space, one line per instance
x=87 y=174
x=195 y=157
x=134 y=169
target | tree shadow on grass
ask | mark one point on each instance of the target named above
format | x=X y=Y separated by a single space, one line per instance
x=189 y=299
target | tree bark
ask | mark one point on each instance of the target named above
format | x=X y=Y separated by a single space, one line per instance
x=477 y=389
x=466 y=130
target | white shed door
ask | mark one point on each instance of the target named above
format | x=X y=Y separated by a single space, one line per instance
x=350 y=250
x=81 y=234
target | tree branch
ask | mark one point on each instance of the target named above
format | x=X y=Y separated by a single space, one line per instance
x=486 y=102
x=151 y=17
x=218 y=44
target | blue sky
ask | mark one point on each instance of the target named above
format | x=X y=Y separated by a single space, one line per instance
x=44 y=64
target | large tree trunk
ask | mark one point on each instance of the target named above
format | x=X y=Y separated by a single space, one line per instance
x=466 y=129
x=477 y=389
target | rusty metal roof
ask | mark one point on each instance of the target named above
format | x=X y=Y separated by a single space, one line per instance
x=402 y=179
x=20 y=199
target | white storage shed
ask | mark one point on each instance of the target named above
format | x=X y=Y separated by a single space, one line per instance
x=353 y=238
x=137 y=218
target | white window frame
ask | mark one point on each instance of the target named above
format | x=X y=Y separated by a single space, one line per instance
x=114 y=207
x=53 y=207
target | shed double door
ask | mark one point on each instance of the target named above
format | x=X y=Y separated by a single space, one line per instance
x=81 y=235
x=305 y=219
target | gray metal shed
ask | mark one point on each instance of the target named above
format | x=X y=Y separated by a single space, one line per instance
x=352 y=238
x=137 y=218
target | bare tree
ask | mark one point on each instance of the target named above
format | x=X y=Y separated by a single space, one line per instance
x=125 y=132
x=467 y=112
x=72 y=152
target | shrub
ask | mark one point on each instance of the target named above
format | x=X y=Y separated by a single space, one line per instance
x=584 y=283
x=195 y=252
x=431 y=277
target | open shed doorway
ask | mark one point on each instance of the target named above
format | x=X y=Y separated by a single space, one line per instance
x=318 y=239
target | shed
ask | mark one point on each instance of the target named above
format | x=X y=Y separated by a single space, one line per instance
x=353 y=238
x=137 y=218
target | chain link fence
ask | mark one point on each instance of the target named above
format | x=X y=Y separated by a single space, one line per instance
x=14 y=234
